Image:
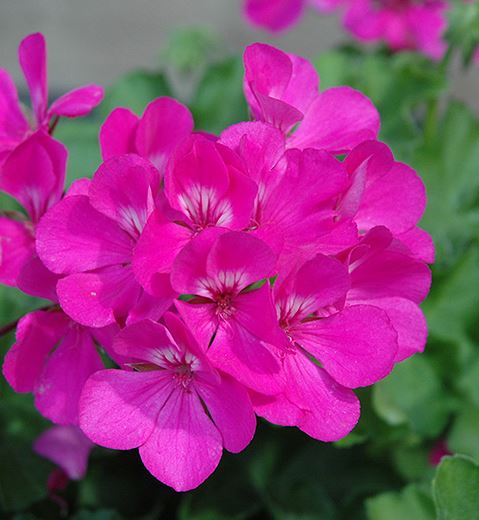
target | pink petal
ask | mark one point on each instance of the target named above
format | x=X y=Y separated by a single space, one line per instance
x=408 y=321
x=185 y=446
x=237 y=260
x=157 y=248
x=163 y=126
x=330 y=410
x=34 y=174
x=200 y=318
x=276 y=409
x=36 y=280
x=153 y=305
x=13 y=124
x=117 y=134
x=357 y=346
x=189 y=271
x=318 y=283
x=260 y=145
x=17 y=246
x=143 y=341
x=130 y=208
x=338 y=120
x=37 y=334
x=241 y=355
x=274 y=15
x=249 y=305
x=100 y=298
x=230 y=408
x=73 y=236
x=78 y=102
x=396 y=200
x=118 y=408
x=58 y=389
x=79 y=187
x=390 y=274
x=419 y=243
x=67 y=447
x=32 y=55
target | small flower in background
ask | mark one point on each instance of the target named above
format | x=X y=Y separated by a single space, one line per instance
x=15 y=127
x=438 y=451
x=400 y=24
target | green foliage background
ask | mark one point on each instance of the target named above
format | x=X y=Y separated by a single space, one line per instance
x=381 y=471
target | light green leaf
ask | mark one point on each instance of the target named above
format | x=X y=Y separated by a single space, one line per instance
x=456 y=489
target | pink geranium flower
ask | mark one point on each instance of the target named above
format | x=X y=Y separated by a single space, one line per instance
x=165 y=123
x=333 y=347
x=401 y=24
x=279 y=15
x=52 y=358
x=171 y=404
x=282 y=89
x=33 y=174
x=90 y=240
x=219 y=268
x=14 y=126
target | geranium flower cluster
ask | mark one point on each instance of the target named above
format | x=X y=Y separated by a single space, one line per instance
x=400 y=24
x=268 y=271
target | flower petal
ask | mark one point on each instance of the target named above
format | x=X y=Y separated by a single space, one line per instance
x=36 y=280
x=118 y=408
x=32 y=54
x=58 y=389
x=274 y=15
x=163 y=126
x=231 y=410
x=330 y=410
x=100 y=298
x=13 y=124
x=73 y=237
x=67 y=447
x=129 y=208
x=78 y=102
x=117 y=133
x=185 y=446
x=339 y=119
x=34 y=174
x=17 y=246
x=37 y=334
x=357 y=346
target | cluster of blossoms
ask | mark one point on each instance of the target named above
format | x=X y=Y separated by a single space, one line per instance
x=267 y=271
x=401 y=24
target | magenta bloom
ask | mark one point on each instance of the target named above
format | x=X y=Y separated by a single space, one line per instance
x=52 y=358
x=165 y=123
x=14 y=126
x=279 y=15
x=90 y=240
x=67 y=447
x=355 y=346
x=282 y=89
x=219 y=268
x=401 y=24
x=33 y=174
x=171 y=404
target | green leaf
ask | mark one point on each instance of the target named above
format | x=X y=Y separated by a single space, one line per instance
x=80 y=136
x=453 y=306
x=412 y=502
x=464 y=434
x=448 y=167
x=412 y=395
x=219 y=100
x=135 y=90
x=456 y=489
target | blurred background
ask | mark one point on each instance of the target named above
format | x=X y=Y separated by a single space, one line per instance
x=98 y=40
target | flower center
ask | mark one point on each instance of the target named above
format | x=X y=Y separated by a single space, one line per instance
x=224 y=305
